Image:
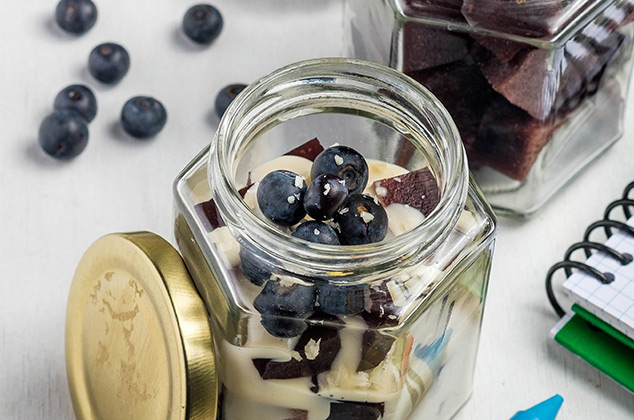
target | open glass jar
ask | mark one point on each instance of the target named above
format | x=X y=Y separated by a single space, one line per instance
x=307 y=331
x=537 y=88
x=422 y=292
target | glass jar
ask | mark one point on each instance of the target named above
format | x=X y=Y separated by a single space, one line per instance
x=423 y=290
x=536 y=88
x=301 y=330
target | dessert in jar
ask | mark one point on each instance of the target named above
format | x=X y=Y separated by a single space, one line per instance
x=384 y=329
x=536 y=88
x=339 y=252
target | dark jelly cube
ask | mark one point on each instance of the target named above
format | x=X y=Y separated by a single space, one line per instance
x=427 y=47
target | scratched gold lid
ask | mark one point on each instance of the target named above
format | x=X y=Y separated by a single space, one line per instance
x=138 y=343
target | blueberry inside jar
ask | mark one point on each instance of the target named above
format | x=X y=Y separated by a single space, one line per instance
x=346 y=253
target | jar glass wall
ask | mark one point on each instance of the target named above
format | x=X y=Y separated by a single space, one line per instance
x=537 y=89
x=391 y=329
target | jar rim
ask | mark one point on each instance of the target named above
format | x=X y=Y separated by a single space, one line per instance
x=420 y=241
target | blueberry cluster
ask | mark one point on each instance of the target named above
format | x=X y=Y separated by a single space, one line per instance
x=342 y=214
x=338 y=214
x=285 y=303
x=64 y=134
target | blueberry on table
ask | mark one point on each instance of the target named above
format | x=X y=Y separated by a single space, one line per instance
x=108 y=62
x=317 y=232
x=226 y=96
x=341 y=299
x=284 y=307
x=63 y=134
x=280 y=195
x=76 y=16
x=344 y=162
x=78 y=98
x=202 y=23
x=143 y=117
x=324 y=196
x=362 y=220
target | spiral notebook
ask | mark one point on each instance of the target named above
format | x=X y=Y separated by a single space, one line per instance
x=599 y=326
x=612 y=302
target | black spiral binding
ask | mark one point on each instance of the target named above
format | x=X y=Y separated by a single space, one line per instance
x=626 y=204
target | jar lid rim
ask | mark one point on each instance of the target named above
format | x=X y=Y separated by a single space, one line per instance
x=137 y=337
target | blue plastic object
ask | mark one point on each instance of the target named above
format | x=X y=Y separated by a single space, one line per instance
x=546 y=410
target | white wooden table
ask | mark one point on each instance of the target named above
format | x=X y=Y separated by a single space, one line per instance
x=50 y=212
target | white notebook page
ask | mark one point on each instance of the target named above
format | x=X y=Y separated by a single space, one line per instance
x=614 y=302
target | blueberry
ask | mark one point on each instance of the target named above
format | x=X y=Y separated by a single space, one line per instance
x=226 y=96
x=78 y=98
x=143 y=117
x=318 y=232
x=284 y=307
x=343 y=299
x=63 y=134
x=280 y=195
x=362 y=220
x=324 y=196
x=283 y=327
x=344 y=162
x=108 y=62
x=76 y=16
x=202 y=23
x=255 y=267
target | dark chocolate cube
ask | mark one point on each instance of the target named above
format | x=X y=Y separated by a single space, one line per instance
x=318 y=347
x=382 y=311
x=308 y=150
x=355 y=411
x=417 y=189
x=375 y=347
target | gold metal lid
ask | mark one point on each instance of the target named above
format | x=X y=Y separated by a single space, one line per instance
x=138 y=341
